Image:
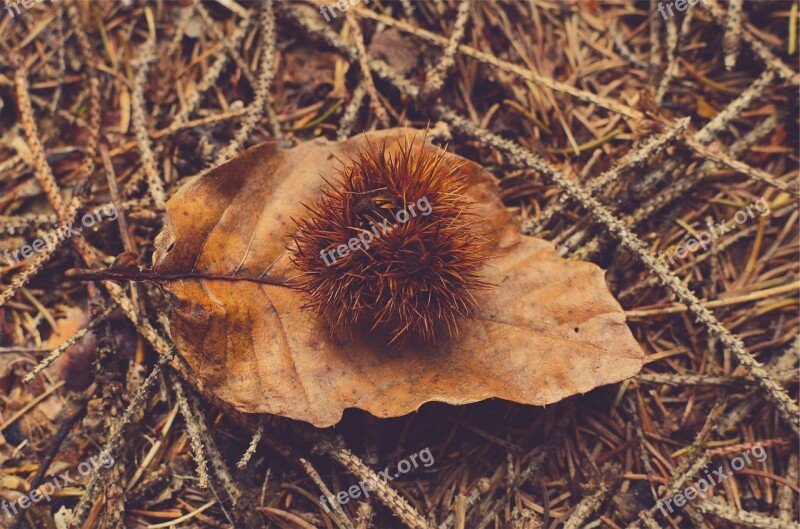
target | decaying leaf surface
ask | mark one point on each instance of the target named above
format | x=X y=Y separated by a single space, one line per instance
x=548 y=329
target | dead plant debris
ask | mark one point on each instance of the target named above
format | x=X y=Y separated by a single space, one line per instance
x=615 y=134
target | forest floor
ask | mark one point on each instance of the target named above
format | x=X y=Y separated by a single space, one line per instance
x=617 y=130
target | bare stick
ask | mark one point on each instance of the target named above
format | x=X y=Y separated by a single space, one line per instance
x=147 y=54
x=315 y=477
x=193 y=429
x=266 y=74
x=733 y=30
x=399 y=506
x=435 y=77
x=772 y=62
x=363 y=61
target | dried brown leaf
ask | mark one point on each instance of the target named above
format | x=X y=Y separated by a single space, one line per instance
x=548 y=329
